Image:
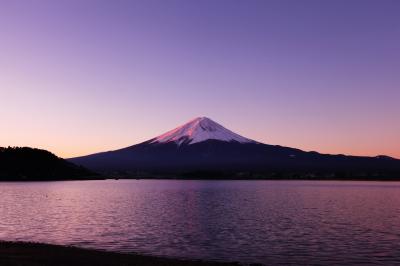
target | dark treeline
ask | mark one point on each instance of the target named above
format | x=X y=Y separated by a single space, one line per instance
x=214 y=159
x=24 y=164
x=259 y=175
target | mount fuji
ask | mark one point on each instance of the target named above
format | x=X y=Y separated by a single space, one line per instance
x=198 y=130
x=205 y=149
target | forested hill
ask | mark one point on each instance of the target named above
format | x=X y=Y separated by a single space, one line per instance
x=25 y=164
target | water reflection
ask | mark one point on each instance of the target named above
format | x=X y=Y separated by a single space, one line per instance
x=276 y=222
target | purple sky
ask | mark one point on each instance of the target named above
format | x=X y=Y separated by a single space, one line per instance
x=82 y=76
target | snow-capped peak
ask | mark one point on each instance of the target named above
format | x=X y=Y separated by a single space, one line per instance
x=198 y=130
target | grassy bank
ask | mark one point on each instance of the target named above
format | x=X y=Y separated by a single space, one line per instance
x=35 y=254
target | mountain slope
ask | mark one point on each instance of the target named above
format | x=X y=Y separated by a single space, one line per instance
x=203 y=146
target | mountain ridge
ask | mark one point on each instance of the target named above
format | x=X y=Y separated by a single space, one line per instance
x=195 y=147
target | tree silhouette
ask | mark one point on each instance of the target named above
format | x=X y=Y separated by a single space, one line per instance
x=24 y=163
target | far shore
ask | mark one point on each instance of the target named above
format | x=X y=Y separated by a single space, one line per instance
x=372 y=179
x=37 y=254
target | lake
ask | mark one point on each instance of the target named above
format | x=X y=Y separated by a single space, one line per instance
x=270 y=222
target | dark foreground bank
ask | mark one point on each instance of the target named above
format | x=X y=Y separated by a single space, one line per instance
x=27 y=254
x=28 y=164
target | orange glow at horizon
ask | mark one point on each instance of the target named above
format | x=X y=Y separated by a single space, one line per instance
x=79 y=142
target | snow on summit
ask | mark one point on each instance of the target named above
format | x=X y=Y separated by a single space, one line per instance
x=198 y=130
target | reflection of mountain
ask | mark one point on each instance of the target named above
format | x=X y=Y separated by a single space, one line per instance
x=203 y=148
x=24 y=164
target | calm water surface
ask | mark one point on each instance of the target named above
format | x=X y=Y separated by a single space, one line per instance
x=270 y=222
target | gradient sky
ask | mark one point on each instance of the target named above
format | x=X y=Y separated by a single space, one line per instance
x=82 y=76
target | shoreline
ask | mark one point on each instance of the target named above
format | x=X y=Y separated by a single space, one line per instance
x=35 y=254
x=204 y=179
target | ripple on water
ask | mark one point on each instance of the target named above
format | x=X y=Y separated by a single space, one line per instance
x=279 y=222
